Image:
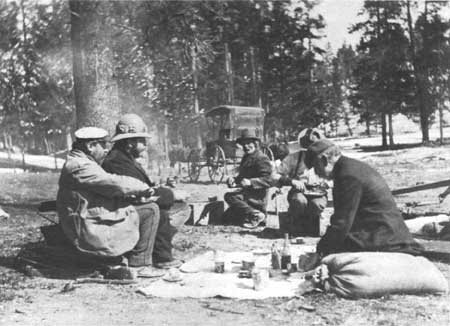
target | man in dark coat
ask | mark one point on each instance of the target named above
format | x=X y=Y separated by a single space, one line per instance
x=366 y=217
x=248 y=205
x=123 y=159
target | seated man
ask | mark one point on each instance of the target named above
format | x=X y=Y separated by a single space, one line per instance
x=304 y=211
x=93 y=207
x=248 y=205
x=123 y=159
x=366 y=217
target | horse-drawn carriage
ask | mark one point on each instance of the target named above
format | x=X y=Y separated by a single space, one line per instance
x=225 y=123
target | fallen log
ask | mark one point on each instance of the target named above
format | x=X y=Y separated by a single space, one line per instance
x=426 y=186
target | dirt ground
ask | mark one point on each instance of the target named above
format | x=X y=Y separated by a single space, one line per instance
x=26 y=300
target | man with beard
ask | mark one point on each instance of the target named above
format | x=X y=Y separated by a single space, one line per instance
x=247 y=206
x=129 y=147
x=365 y=217
x=94 y=206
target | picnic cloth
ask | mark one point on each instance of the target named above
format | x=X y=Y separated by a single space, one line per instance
x=201 y=281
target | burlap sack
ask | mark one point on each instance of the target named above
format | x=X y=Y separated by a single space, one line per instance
x=371 y=274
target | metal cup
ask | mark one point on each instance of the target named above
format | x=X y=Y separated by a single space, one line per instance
x=260 y=279
x=219 y=266
x=248 y=265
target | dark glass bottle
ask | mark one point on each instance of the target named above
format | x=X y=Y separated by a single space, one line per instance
x=286 y=252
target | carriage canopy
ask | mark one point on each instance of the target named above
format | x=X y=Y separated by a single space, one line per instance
x=227 y=121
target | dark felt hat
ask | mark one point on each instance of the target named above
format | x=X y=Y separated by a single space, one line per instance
x=307 y=136
x=315 y=149
x=248 y=134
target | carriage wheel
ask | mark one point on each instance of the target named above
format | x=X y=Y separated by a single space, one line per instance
x=268 y=152
x=217 y=165
x=194 y=164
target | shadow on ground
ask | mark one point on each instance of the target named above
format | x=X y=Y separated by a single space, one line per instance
x=37 y=259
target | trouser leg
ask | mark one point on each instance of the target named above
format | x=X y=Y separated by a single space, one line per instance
x=238 y=206
x=297 y=211
x=314 y=211
x=162 y=250
x=141 y=255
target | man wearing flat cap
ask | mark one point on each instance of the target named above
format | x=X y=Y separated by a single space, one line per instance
x=247 y=206
x=130 y=144
x=307 y=197
x=94 y=206
x=365 y=217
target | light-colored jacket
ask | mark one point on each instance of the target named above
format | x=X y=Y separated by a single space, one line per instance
x=91 y=207
x=293 y=167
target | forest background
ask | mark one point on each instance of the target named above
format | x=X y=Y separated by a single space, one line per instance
x=169 y=61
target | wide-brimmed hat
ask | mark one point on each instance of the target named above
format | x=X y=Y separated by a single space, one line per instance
x=248 y=134
x=87 y=133
x=130 y=126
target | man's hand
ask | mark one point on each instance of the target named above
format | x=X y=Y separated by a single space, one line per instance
x=246 y=183
x=298 y=185
x=231 y=183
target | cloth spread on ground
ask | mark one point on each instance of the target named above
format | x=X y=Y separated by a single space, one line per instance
x=200 y=281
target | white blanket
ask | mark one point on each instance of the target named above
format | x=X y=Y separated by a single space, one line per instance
x=200 y=281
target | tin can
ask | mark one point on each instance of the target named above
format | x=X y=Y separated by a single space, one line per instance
x=244 y=274
x=293 y=268
x=219 y=261
x=219 y=266
x=248 y=264
x=260 y=279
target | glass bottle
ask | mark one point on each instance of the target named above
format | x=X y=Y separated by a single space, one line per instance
x=286 y=252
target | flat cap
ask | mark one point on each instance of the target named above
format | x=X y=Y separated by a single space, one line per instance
x=91 y=133
x=315 y=149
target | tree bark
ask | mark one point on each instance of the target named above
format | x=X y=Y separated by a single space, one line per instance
x=95 y=84
x=419 y=79
x=383 y=131
x=229 y=71
x=391 y=131
x=368 y=124
x=198 y=135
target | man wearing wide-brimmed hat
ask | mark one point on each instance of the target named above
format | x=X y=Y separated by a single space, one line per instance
x=305 y=202
x=130 y=144
x=365 y=217
x=247 y=206
x=94 y=206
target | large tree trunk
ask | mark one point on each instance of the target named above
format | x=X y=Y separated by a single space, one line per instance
x=95 y=85
x=419 y=79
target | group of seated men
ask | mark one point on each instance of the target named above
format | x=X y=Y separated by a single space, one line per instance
x=101 y=204
x=103 y=211
x=365 y=217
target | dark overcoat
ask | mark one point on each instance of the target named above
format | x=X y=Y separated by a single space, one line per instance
x=366 y=217
x=118 y=162
x=257 y=168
